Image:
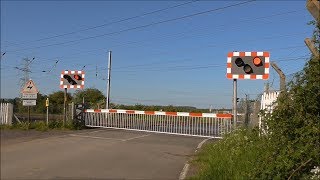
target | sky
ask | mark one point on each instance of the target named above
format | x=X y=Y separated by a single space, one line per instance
x=163 y=52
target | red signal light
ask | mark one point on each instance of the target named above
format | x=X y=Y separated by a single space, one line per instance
x=257 y=61
x=77 y=77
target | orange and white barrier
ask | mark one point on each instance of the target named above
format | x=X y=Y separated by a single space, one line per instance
x=179 y=123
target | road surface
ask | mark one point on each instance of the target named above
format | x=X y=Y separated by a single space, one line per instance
x=95 y=153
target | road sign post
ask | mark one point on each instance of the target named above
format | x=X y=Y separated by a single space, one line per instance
x=70 y=80
x=29 y=95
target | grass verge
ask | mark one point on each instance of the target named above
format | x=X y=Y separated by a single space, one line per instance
x=42 y=126
x=234 y=157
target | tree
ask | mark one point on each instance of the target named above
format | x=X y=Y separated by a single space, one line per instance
x=57 y=100
x=93 y=98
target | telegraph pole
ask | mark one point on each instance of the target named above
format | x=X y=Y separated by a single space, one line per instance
x=108 y=82
x=2 y=54
x=313 y=7
x=281 y=75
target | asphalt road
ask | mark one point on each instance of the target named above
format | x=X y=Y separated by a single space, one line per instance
x=94 y=154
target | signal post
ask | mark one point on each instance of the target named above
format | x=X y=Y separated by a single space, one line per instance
x=246 y=65
x=70 y=80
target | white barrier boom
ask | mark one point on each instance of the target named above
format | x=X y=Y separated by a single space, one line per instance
x=179 y=123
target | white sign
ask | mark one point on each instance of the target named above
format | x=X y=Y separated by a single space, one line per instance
x=30 y=88
x=29 y=96
x=29 y=102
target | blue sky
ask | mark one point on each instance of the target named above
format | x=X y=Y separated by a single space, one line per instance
x=179 y=62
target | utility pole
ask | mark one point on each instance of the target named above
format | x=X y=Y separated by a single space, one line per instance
x=26 y=77
x=313 y=7
x=281 y=75
x=2 y=54
x=108 y=82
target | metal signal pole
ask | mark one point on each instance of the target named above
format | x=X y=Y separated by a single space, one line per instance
x=235 y=102
x=65 y=107
x=108 y=82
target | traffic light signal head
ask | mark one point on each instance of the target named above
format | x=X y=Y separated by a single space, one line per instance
x=72 y=79
x=248 y=65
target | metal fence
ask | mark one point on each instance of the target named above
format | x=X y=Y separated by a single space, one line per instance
x=6 y=113
x=179 y=123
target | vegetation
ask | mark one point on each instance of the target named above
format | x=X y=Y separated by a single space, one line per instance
x=42 y=126
x=289 y=146
x=94 y=99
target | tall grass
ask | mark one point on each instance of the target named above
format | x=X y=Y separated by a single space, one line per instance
x=234 y=157
x=42 y=126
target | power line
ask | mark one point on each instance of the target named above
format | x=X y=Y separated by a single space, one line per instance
x=110 y=23
x=138 y=27
x=184 y=37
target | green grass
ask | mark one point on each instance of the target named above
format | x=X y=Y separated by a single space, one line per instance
x=234 y=157
x=42 y=126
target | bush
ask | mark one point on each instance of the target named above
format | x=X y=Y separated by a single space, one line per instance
x=234 y=157
x=55 y=124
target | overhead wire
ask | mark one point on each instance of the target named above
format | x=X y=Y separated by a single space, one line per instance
x=161 y=37
x=137 y=27
x=112 y=22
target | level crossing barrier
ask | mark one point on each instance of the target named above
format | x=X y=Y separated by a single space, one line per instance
x=179 y=123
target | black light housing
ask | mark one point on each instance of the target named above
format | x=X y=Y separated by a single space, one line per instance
x=247 y=69
x=69 y=79
x=239 y=62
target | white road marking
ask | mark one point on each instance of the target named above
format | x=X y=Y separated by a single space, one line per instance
x=95 y=137
x=185 y=169
x=136 y=137
x=201 y=143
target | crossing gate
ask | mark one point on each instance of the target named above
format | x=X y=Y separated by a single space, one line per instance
x=178 y=123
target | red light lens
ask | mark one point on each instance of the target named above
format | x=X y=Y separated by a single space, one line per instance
x=257 y=61
x=77 y=77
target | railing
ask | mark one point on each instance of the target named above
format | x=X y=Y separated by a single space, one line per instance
x=6 y=113
x=180 y=123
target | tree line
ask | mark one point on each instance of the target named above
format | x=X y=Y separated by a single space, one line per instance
x=93 y=99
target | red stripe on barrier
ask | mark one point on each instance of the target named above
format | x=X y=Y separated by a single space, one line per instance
x=112 y=110
x=130 y=111
x=171 y=113
x=242 y=54
x=253 y=53
x=230 y=54
x=266 y=54
x=224 y=115
x=195 y=114
x=149 y=112
x=229 y=65
x=97 y=110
